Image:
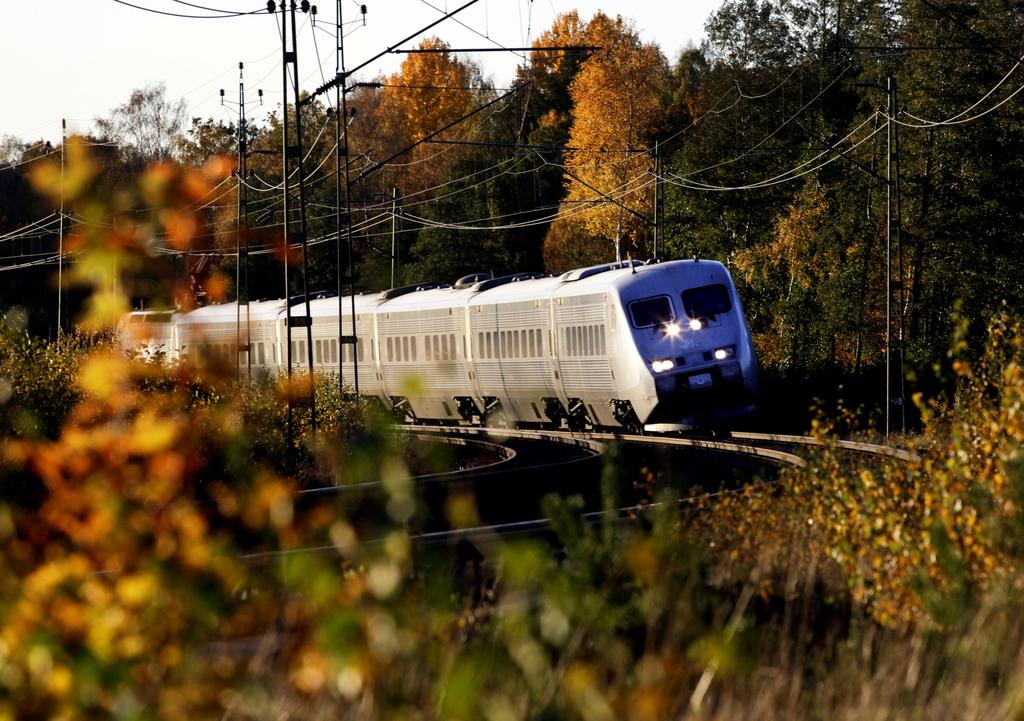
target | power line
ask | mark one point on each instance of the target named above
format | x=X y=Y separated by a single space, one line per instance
x=221 y=16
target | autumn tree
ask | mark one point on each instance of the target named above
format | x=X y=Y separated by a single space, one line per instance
x=618 y=98
x=429 y=91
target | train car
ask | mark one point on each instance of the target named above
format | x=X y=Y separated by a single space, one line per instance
x=149 y=334
x=627 y=344
x=617 y=345
x=328 y=354
x=514 y=364
x=258 y=341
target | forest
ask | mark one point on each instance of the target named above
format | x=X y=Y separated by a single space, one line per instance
x=818 y=149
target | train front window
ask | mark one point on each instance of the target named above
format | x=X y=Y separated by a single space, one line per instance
x=651 y=311
x=706 y=301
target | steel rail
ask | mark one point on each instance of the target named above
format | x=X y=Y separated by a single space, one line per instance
x=901 y=454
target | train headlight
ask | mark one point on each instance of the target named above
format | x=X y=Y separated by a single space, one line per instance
x=723 y=353
x=660 y=366
x=696 y=324
x=672 y=330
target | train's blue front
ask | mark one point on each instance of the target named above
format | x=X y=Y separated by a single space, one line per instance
x=690 y=331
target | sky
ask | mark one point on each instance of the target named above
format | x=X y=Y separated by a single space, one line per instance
x=78 y=59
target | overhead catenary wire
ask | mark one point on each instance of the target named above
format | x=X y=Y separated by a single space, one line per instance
x=790 y=174
x=959 y=118
x=221 y=14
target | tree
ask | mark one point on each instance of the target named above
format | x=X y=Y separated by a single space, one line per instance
x=11 y=149
x=207 y=138
x=148 y=127
x=619 y=97
x=429 y=91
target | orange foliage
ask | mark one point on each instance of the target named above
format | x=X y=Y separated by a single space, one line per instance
x=618 y=97
x=429 y=91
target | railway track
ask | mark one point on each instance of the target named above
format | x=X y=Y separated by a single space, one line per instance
x=771 y=449
x=530 y=463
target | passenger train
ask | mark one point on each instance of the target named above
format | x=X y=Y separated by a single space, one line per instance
x=622 y=345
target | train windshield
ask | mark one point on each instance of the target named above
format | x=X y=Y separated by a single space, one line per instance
x=706 y=301
x=651 y=311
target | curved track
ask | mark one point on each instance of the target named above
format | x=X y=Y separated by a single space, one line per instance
x=533 y=463
x=767 y=449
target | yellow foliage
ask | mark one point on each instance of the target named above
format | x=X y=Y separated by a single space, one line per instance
x=904 y=534
x=618 y=98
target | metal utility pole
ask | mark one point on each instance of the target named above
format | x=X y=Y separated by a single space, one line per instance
x=242 y=239
x=892 y=241
x=341 y=155
x=394 y=221
x=657 y=191
x=292 y=151
x=60 y=239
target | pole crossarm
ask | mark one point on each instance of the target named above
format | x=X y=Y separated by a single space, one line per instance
x=552 y=48
x=377 y=166
x=526 y=146
x=343 y=75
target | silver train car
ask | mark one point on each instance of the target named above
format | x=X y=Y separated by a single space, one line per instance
x=622 y=345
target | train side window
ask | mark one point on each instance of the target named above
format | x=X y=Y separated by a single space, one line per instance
x=707 y=301
x=405 y=348
x=601 y=347
x=413 y=344
x=302 y=350
x=488 y=350
x=479 y=344
x=319 y=349
x=444 y=348
x=651 y=311
x=454 y=349
x=390 y=356
x=515 y=344
x=533 y=343
x=592 y=333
